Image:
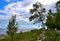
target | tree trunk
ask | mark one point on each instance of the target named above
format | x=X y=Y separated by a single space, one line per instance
x=43 y=25
x=12 y=35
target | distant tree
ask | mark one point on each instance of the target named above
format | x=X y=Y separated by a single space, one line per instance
x=12 y=27
x=37 y=13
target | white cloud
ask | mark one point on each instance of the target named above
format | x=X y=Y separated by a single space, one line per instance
x=20 y=18
x=5 y=17
x=25 y=6
x=46 y=2
x=17 y=7
x=13 y=9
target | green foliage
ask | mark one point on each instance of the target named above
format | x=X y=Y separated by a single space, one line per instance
x=32 y=36
x=53 y=19
x=57 y=15
x=58 y=6
x=12 y=27
x=37 y=13
x=58 y=38
x=52 y=36
x=50 y=22
x=57 y=20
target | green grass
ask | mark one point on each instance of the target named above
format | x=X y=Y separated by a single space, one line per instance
x=32 y=36
x=52 y=35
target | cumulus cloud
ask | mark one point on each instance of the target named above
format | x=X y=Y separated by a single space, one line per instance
x=4 y=17
x=46 y=2
x=22 y=8
x=20 y=18
x=18 y=8
x=12 y=9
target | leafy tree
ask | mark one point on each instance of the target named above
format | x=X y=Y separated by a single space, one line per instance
x=57 y=20
x=57 y=16
x=49 y=22
x=58 y=7
x=53 y=19
x=12 y=27
x=37 y=13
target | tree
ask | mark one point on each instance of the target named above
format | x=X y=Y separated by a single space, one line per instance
x=37 y=13
x=53 y=19
x=12 y=27
x=49 y=22
x=58 y=6
x=57 y=15
x=57 y=20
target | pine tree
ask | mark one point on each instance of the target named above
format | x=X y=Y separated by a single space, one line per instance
x=12 y=27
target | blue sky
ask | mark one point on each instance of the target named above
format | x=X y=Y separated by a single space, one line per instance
x=21 y=9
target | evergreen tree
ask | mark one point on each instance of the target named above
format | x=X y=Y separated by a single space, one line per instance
x=12 y=27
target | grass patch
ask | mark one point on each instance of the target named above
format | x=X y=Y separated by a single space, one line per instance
x=32 y=36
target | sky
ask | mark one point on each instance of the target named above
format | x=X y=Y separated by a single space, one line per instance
x=21 y=9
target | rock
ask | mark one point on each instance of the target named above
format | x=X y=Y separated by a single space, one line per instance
x=39 y=40
x=42 y=36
